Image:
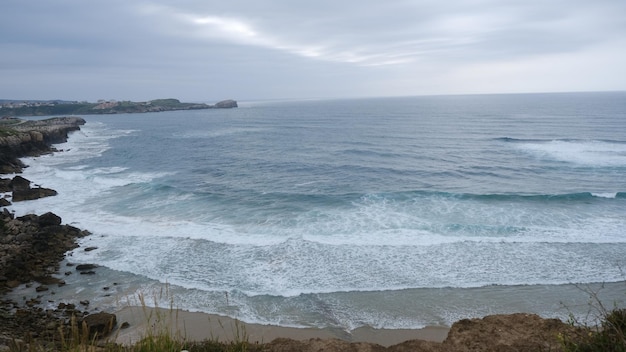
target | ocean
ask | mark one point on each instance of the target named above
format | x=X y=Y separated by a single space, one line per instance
x=388 y=212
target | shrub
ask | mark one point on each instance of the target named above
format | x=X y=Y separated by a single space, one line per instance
x=608 y=336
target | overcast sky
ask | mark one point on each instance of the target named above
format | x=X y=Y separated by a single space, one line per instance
x=203 y=50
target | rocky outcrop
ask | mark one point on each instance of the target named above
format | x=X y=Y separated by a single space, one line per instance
x=32 y=138
x=33 y=193
x=226 y=104
x=47 y=131
x=99 y=324
x=35 y=324
x=31 y=249
x=22 y=191
x=510 y=333
x=32 y=246
x=20 y=138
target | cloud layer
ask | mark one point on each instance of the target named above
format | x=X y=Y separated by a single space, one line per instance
x=204 y=50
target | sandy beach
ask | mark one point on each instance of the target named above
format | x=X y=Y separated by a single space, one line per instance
x=196 y=326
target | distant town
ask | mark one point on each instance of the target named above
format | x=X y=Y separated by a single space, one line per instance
x=13 y=104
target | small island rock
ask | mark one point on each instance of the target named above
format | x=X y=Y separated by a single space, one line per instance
x=226 y=104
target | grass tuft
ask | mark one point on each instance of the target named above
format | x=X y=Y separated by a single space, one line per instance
x=161 y=335
x=608 y=334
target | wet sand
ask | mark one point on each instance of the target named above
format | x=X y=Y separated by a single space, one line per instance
x=195 y=326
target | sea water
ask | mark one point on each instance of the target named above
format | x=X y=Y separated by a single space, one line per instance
x=388 y=212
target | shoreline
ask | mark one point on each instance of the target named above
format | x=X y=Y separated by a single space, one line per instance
x=198 y=326
x=494 y=331
x=141 y=321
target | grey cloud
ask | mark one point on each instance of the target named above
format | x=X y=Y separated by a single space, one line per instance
x=346 y=31
x=283 y=48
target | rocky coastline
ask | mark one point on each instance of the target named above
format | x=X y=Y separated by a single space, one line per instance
x=32 y=247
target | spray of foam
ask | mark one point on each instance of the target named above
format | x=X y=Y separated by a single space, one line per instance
x=588 y=153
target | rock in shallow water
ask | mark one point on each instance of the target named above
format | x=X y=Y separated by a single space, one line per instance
x=85 y=267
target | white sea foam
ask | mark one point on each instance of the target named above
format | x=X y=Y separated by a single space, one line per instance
x=376 y=244
x=590 y=153
x=298 y=266
x=610 y=195
x=212 y=133
x=78 y=184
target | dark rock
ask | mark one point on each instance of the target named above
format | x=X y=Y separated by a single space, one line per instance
x=82 y=267
x=125 y=325
x=84 y=302
x=5 y=185
x=63 y=306
x=49 y=219
x=4 y=202
x=6 y=214
x=48 y=280
x=12 y=284
x=89 y=272
x=19 y=183
x=33 y=251
x=29 y=218
x=24 y=237
x=10 y=164
x=32 y=246
x=89 y=249
x=100 y=324
x=32 y=193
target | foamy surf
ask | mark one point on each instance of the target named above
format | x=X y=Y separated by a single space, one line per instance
x=285 y=215
x=579 y=152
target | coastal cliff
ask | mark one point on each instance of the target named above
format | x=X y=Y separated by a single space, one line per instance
x=31 y=243
x=32 y=246
x=19 y=138
x=51 y=108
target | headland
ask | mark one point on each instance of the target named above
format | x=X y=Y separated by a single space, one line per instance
x=12 y=108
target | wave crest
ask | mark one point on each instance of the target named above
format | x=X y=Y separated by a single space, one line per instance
x=596 y=153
